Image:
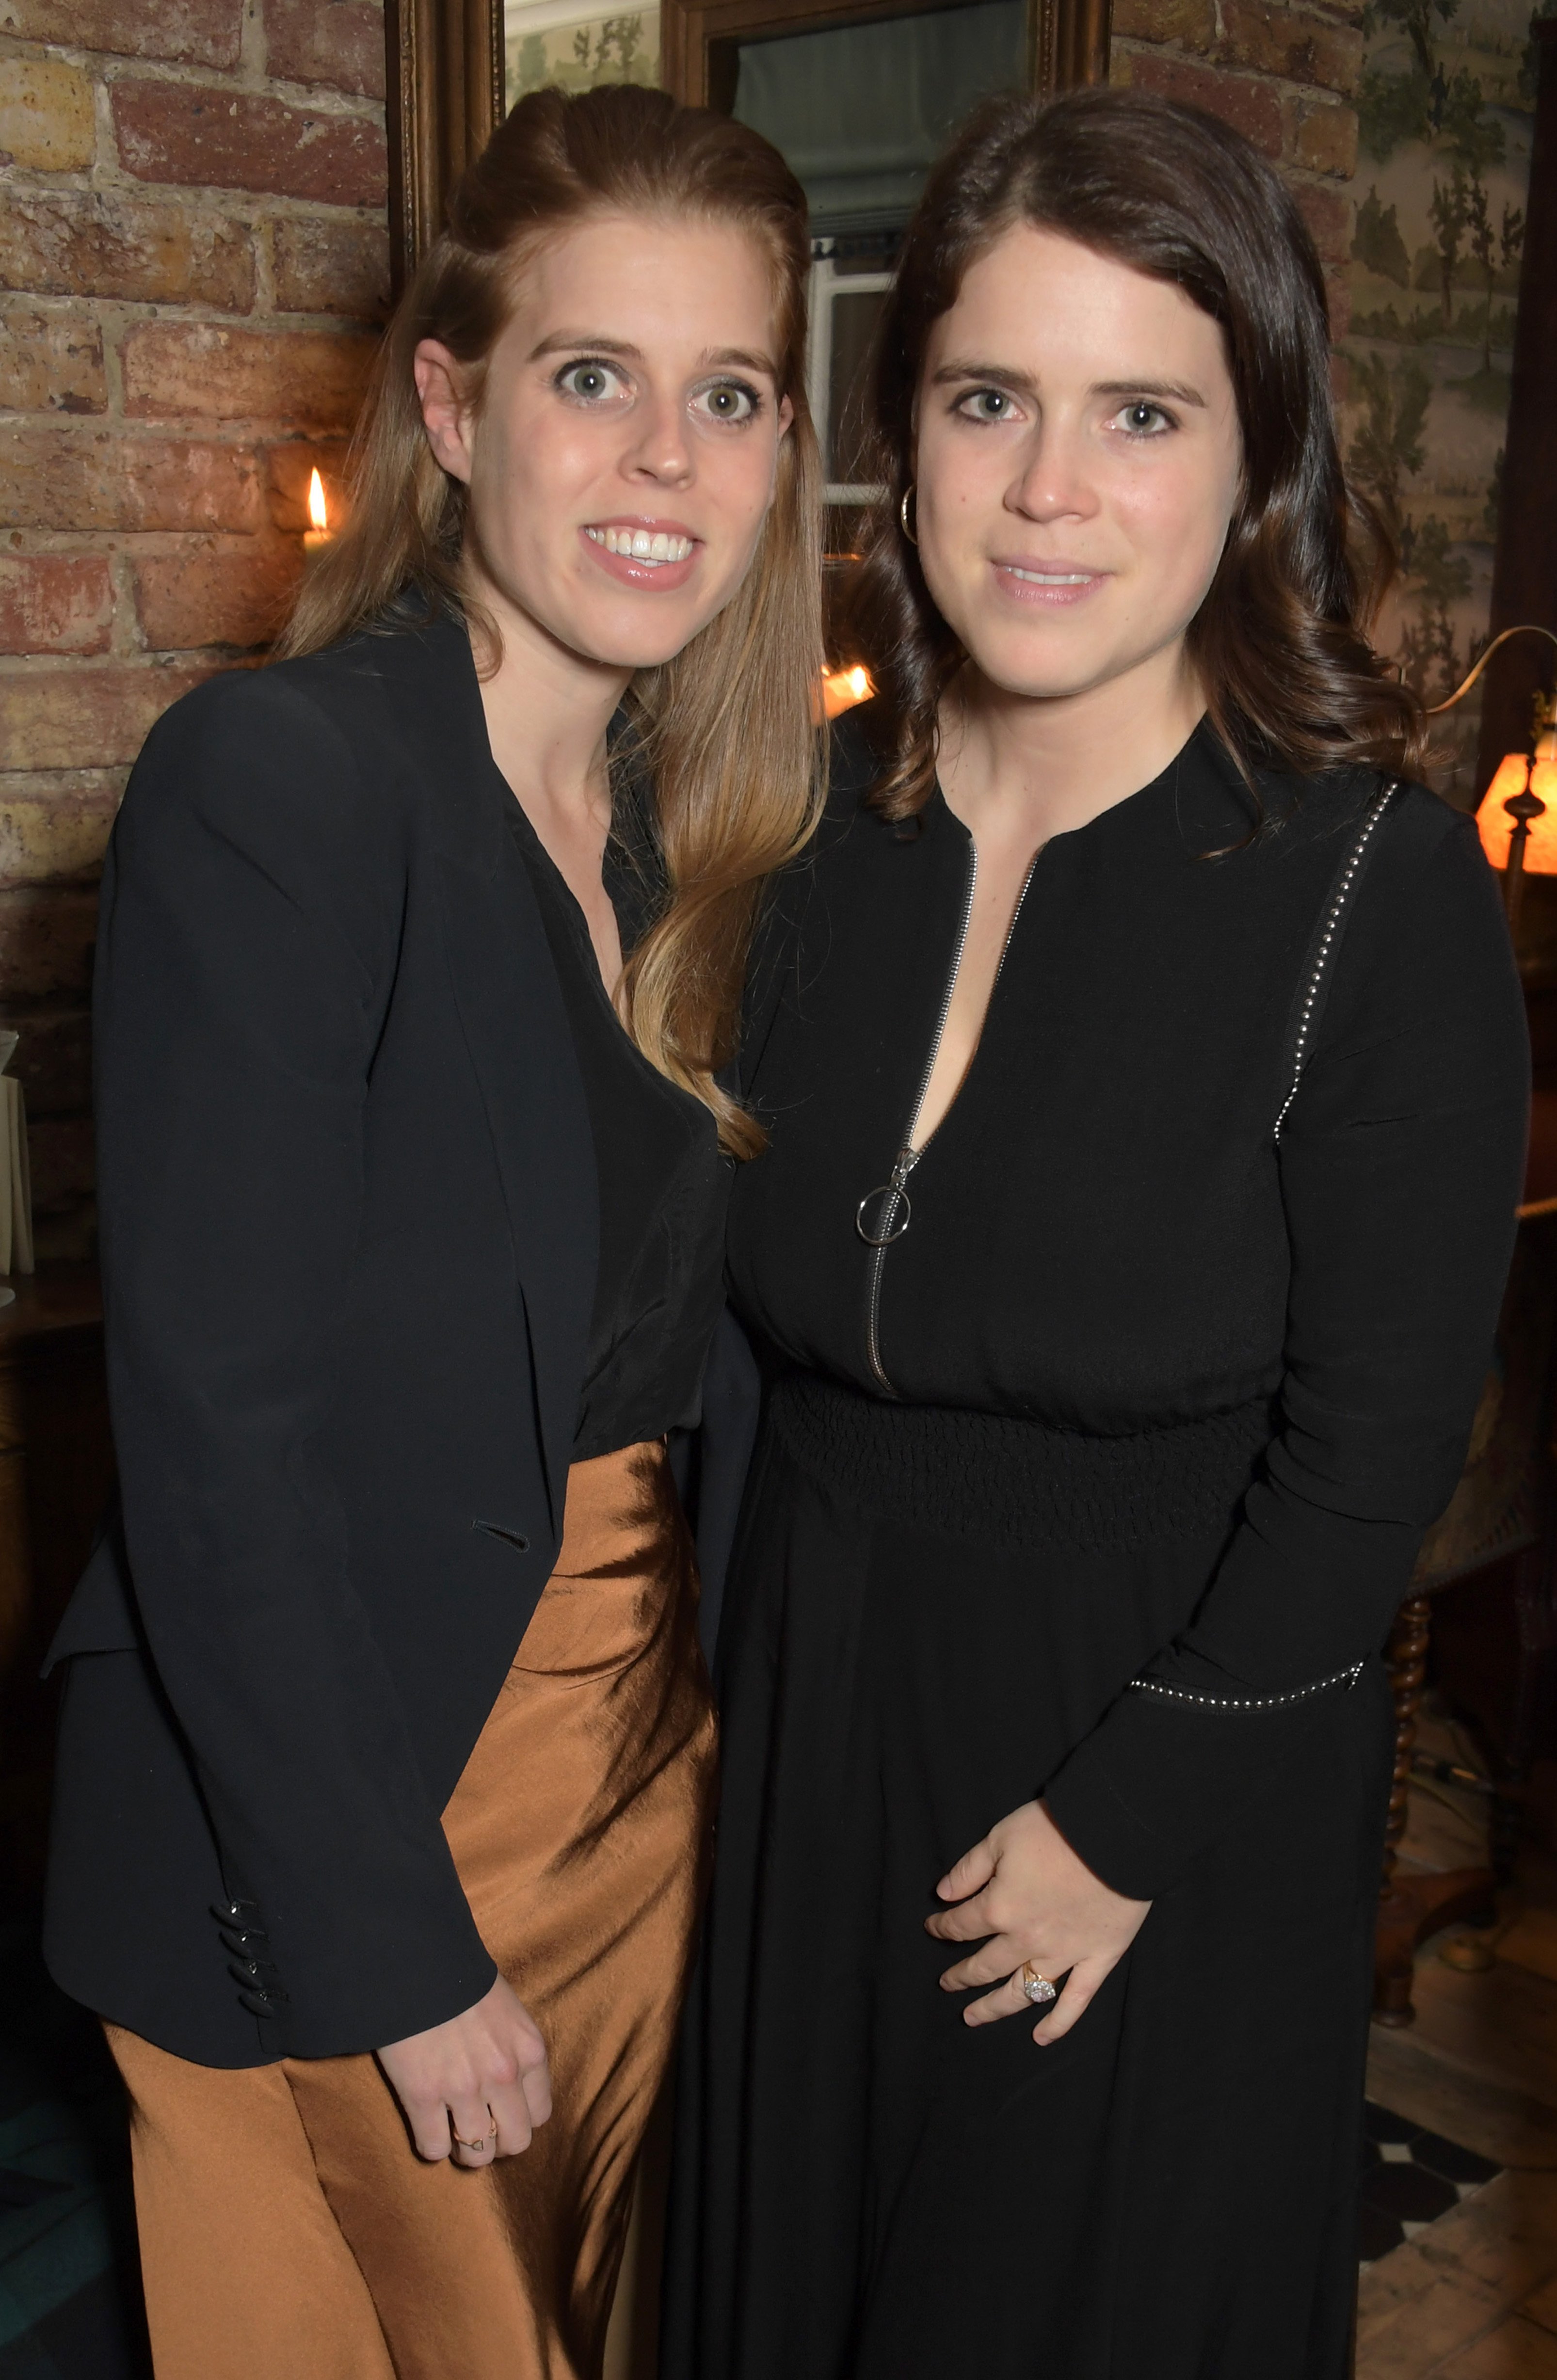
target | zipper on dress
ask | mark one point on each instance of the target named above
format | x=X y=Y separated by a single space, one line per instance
x=892 y=1215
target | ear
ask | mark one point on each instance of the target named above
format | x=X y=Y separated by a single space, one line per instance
x=444 y=412
x=786 y=416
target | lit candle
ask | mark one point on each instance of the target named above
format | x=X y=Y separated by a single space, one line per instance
x=318 y=536
x=841 y=689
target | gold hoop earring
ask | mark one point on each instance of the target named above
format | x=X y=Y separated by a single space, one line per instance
x=902 y=514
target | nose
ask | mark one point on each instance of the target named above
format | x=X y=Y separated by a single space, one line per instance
x=659 y=448
x=1054 y=482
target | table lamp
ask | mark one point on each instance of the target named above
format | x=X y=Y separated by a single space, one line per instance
x=1522 y=785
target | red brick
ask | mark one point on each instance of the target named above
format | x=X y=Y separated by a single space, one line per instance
x=216 y=596
x=1252 y=107
x=193 y=32
x=51 y=362
x=1300 y=45
x=57 y=828
x=336 y=41
x=1338 y=288
x=1323 y=139
x=54 y=603
x=1193 y=22
x=332 y=268
x=90 y=717
x=1328 y=214
x=288 y=470
x=180 y=369
x=106 y=244
x=100 y=479
x=1288 y=42
x=240 y=140
x=47 y=937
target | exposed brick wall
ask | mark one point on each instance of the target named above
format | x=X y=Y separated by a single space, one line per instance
x=193 y=256
x=1284 y=76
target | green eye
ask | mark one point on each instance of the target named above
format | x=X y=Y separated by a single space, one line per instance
x=729 y=400
x=587 y=382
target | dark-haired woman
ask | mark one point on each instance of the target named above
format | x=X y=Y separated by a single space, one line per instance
x=387 y=1749
x=1146 y=1075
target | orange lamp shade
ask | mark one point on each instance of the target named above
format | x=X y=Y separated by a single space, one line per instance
x=1513 y=775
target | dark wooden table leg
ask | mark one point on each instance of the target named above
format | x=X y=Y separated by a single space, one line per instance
x=1412 y=1907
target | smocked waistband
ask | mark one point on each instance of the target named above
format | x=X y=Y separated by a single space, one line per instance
x=1019 y=1485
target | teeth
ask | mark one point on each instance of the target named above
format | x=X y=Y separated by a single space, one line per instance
x=1051 y=577
x=641 y=544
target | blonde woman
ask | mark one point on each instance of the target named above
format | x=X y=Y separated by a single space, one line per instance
x=387 y=1747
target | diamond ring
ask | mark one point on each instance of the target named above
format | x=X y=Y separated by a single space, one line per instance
x=1034 y=1986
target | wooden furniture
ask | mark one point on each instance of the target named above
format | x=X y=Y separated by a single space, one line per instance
x=444 y=100
x=56 y=1469
x=1501 y=1518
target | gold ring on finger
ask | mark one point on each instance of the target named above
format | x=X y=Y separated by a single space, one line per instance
x=1033 y=1986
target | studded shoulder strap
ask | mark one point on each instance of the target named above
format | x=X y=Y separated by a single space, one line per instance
x=1319 y=963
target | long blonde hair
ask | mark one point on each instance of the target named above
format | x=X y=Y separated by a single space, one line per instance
x=725 y=728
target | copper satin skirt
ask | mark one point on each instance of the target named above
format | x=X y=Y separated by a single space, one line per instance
x=288 y=2230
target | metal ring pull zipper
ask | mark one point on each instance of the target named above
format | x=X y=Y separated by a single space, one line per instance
x=890 y=1224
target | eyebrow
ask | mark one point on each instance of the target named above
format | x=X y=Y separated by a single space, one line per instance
x=1023 y=385
x=591 y=342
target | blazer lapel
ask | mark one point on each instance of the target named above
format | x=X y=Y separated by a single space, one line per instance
x=520 y=1044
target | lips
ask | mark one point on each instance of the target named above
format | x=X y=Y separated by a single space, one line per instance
x=653 y=546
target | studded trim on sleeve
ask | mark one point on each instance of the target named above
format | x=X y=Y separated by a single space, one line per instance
x=1318 y=981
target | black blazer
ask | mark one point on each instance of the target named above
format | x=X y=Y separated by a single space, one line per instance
x=349 y=1248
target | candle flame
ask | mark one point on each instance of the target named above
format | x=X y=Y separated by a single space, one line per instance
x=841 y=688
x=318 y=511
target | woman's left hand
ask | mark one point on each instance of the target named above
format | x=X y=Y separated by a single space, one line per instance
x=1024 y=1887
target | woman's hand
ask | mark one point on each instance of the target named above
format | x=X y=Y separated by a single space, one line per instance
x=1037 y=1903
x=475 y=2087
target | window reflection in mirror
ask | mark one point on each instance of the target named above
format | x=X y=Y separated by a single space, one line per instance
x=861 y=111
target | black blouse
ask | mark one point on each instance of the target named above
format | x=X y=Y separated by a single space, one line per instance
x=664 y=1184
x=1112 y=1250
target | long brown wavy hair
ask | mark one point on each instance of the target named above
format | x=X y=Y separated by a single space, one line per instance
x=723 y=732
x=1280 y=643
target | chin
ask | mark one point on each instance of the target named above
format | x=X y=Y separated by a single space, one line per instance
x=1046 y=676
x=636 y=644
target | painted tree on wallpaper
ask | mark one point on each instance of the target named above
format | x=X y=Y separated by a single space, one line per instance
x=606 y=48
x=1446 y=105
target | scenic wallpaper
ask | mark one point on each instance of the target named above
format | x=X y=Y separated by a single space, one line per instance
x=606 y=49
x=1446 y=107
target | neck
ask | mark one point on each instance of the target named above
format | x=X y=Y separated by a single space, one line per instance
x=1061 y=760
x=547 y=710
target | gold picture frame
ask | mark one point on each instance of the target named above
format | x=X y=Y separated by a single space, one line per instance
x=444 y=100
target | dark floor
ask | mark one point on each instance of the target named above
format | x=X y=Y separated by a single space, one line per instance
x=69 y=2307
x=1410 y=2177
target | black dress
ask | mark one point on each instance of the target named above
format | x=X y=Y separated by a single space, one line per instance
x=663 y=1180
x=1146 y=1388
